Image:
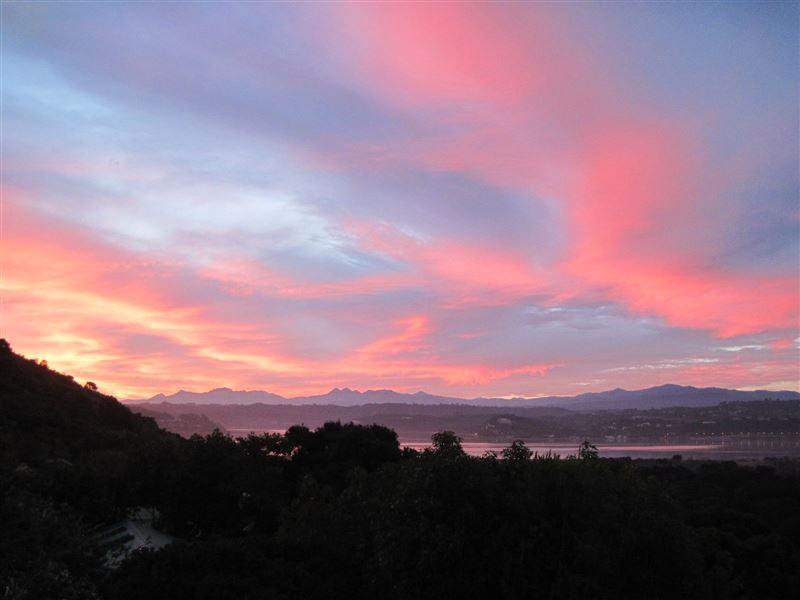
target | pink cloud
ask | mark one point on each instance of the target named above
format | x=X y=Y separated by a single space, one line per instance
x=423 y=54
x=527 y=110
x=463 y=272
x=85 y=305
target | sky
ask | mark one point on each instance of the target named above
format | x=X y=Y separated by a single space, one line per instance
x=468 y=199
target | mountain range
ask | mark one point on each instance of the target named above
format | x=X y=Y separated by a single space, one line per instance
x=654 y=397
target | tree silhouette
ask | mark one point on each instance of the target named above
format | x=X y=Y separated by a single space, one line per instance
x=447 y=443
x=588 y=451
x=517 y=452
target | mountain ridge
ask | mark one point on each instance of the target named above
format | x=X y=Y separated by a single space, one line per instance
x=660 y=396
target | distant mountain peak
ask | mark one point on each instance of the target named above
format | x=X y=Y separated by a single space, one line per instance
x=672 y=386
x=338 y=390
x=220 y=395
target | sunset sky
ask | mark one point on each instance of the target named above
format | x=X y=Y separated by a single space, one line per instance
x=467 y=199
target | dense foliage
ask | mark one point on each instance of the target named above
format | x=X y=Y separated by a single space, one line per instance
x=343 y=512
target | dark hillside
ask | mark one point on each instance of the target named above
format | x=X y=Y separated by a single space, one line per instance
x=70 y=459
x=45 y=415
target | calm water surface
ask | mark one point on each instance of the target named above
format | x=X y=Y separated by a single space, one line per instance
x=729 y=449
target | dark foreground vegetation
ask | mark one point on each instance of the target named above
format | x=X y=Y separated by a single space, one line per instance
x=344 y=512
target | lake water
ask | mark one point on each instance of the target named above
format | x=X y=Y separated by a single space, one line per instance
x=734 y=448
x=728 y=450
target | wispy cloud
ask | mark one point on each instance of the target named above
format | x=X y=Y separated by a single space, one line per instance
x=474 y=199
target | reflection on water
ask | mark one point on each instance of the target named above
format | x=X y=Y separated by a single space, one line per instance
x=727 y=450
